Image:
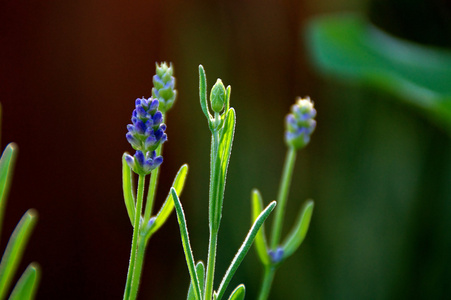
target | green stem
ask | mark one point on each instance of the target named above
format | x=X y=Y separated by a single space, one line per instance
x=139 y=201
x=138 y=266
x=282 y=196
x=152 y=189
x=213 y=216
x=211 y=265
x=267 y=282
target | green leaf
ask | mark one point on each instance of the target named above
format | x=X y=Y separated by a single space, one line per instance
x=226 y=135
x=299 y=231
x=168 y=205
x=241 y=253
x=14 y=250
x=229 y=90
x=348 y=46
x=186 y=244
x=203 y=93
x=260 y=240
x=7 y=162
x=27 y=285
x=127 y=188
x=200 y=270
x=238 y=293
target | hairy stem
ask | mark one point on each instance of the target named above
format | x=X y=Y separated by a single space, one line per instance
x=131 y=267
x=282 y=196
x=267 y=282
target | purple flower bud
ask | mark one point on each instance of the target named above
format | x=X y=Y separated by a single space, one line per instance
x=277 y=255
x=300 y=124
x=139 y=157
x=158 y=117
x=130 y=161
x=141 y=112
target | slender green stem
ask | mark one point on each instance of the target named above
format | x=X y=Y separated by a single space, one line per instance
x=213 y=216
x=152 y=189
x=139 y=201
x=211 y=265
x=267 y=282
x=139 y=261
x=282 y=196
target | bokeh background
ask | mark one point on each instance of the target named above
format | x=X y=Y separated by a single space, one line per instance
x=378 y=170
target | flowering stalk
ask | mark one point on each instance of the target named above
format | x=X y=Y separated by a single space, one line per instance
x=222 y=127
x=300 y=124
x=146 y=135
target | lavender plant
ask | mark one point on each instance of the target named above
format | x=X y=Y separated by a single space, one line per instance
x=299 y=124
x=222 y=127
x=146 y=135
x=27 y=285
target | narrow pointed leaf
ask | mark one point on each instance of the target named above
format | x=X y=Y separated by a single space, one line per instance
x=227 y=103
x=168 y=205
x=186 y=244
x=200 y=270
x=127 y=188
x=7 y=162
x=27 y=285
x=238 y=293
x=226 y=136
x=14 y=250
x=241 y=253
x=260 y=240
x=299 y=231
x=203 y=92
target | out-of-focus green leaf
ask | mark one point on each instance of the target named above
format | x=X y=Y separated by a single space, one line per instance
x=7 y=162
x=186 y=244
x=27 y=285
x=348 y=46
x=200 y=269
x=127 y=188
x=168 y=205
x=241 y=253
x=238 y=293
x=299 y=231
x=260 y=240
x=14 y=250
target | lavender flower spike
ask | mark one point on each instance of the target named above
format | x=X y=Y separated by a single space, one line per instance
x=145 y=134
x=164 y=86
x=300 y=123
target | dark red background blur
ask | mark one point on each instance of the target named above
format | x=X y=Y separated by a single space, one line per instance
x=69 y=74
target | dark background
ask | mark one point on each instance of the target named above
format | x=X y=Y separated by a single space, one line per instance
x=69 y=74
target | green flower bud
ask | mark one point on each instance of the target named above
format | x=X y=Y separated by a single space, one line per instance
x=218 y=96
x=164 y=86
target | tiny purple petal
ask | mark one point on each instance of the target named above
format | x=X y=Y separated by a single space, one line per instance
x=158 y=117
x=141 y=111
x=130 y=161
x=139 y=156
x=140 y=127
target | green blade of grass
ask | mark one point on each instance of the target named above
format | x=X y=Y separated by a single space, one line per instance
x=14 y=250
x=27 y=285
x=7 y=162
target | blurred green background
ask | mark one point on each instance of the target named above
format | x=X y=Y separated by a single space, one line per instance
x=378 y=168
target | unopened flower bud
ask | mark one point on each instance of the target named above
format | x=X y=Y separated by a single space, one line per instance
x=217 y=96
x=300 y=123
x=164 y=86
